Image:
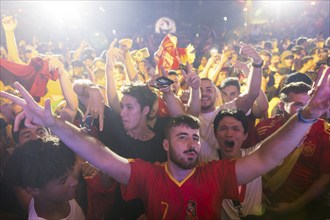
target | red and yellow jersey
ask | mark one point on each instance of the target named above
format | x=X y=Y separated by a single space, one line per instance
x=313 y=161
x=198 y=196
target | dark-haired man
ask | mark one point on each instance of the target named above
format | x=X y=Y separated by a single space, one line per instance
x=304 y=174
x=231 y=130
x=45 y=169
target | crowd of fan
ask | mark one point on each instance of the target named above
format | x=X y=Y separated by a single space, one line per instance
x=100 y=92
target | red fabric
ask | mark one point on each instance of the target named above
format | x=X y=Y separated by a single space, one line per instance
x=169 y=55
x=162 y=108
x=313 y=160
x=100 y=199
x=34 y=76
x=199 y=196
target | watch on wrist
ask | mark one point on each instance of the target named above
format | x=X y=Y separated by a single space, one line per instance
x=255 y=65
x=304 y=120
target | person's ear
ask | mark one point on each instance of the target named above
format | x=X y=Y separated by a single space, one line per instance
x=166 y=145
x=245 y=136
x=32 y=190
x=281 y=106
x=145 y=110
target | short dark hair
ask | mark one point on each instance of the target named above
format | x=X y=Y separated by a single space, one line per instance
x=39 y=161
x=230 y=81
x=265 y=53
x=173 y=73
x=301 y=40
x=143 y=94
x=295 y=87
x=187 y=120
x=298 y=77
x=206 y=79
x=268 y=45
x=235 y=113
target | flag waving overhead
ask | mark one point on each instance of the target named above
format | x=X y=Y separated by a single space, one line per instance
x=33 y=77
x=170 y=57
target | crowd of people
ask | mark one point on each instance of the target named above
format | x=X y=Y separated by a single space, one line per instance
x=160 y=131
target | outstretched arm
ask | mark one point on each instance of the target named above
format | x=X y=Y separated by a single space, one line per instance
x=84 y=145
x=279 y=145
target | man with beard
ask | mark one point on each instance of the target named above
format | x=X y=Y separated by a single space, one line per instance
x=179 y=188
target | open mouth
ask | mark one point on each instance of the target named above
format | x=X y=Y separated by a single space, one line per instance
x=229 y=143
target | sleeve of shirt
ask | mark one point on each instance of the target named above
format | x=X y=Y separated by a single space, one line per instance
x=136 y=187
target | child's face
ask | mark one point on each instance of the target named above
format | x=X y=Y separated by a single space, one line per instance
x=61 y=189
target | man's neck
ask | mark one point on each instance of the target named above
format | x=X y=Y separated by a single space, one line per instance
x=207 y=110
x=140 y=132
x=51 y=210
x=178 y=173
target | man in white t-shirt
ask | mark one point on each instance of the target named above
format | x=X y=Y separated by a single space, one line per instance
x=230 y=130
x=45 y=168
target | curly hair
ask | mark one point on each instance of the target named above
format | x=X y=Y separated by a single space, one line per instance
x=39 y=161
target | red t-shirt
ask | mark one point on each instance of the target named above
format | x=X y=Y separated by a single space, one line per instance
x=313 y=161
x=199 y=196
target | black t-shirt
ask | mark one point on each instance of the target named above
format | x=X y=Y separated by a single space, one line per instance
x=115 y=137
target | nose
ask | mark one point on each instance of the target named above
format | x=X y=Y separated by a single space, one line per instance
x=229 y=132
x=123 y=112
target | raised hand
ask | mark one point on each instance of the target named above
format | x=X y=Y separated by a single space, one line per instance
x=54 y=63
x=9 y=23
x=319 y=103
x=33 y=113
x=249 y=51
x=113 y=54
x=95 y=105
x=191 y=77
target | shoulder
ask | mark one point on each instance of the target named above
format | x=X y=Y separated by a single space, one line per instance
x=321 y=126
x=269 y=123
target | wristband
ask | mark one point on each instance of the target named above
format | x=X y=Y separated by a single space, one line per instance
x=257 y=65
x=304 y=120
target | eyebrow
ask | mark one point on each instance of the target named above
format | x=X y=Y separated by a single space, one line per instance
x=182 y=133
x=195 y=135
x=39 y=129
x=25 y=132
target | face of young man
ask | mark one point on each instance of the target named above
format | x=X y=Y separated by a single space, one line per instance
x=288 y=61
x=208 y=96
x=131 y=113
x=296 y=101
x=61 y=189
x=275 y=60
x=183 y=146
x=230 y=136
x=27 y=134
x=229 y=93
